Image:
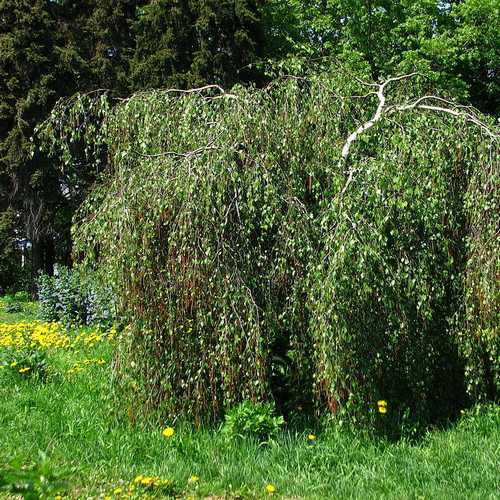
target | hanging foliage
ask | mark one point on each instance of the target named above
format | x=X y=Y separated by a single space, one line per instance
x=266 y=246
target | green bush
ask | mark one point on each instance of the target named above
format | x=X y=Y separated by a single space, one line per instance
x=387 y=293
x=22 y=296
x=73 y=296
x=255 y=420
x=31 y=482
x=15 y=303
x=61 y=297
x=11 y=305
x=479 y=334
x=248 y=266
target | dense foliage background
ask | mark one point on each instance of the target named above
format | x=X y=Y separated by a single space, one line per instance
x=53 y=49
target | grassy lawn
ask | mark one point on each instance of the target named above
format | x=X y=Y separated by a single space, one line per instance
x=67 y=426
x=27 y=312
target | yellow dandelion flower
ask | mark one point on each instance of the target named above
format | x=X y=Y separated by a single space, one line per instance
x=58 y=497
x=193 y=479
x=311 y=437
x=24 y=370
x=168 y=432
x=148 y=481
x=382 y=406
x=270 y=488
x=117 y=491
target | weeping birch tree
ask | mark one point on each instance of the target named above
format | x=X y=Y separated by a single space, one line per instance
x=323 y=243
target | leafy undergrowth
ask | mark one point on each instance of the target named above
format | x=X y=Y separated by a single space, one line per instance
x=21 y=312
x=62 y=436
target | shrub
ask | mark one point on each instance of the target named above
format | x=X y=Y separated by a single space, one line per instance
x=11 y=305
x=75 y=297
x=387 y=291
x=250 y=267
x=479 y=334
x=22 y=296
x=255 y=420
x=31 y=482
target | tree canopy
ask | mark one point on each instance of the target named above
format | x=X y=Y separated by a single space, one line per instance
x=191 y=43
x=456 y=44
x=291 y=200
x=50 y=50
x=313 y=242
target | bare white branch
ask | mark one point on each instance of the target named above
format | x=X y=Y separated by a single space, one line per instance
x=223 y=93
x=454 y=110
x=367 y=125
x=378 y=113
x=427 y=103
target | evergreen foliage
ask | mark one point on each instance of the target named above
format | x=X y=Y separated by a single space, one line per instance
x=30 y=84
x=248 y=266
x=8 y=258
x=187 y=43
x=99 y=36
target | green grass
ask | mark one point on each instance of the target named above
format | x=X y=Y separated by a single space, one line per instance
x=70 y=423
x=28 y=312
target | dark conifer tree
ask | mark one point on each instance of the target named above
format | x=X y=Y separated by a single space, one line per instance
x=187 y=43
x=29 y=87
x=101 y=32
x=50 y=50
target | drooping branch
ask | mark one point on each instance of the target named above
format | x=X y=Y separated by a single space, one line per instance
x=425 y=103
x=187 y=154
x=451 y=108
x=376 y=117
x=202 y=89
x=199 y=90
